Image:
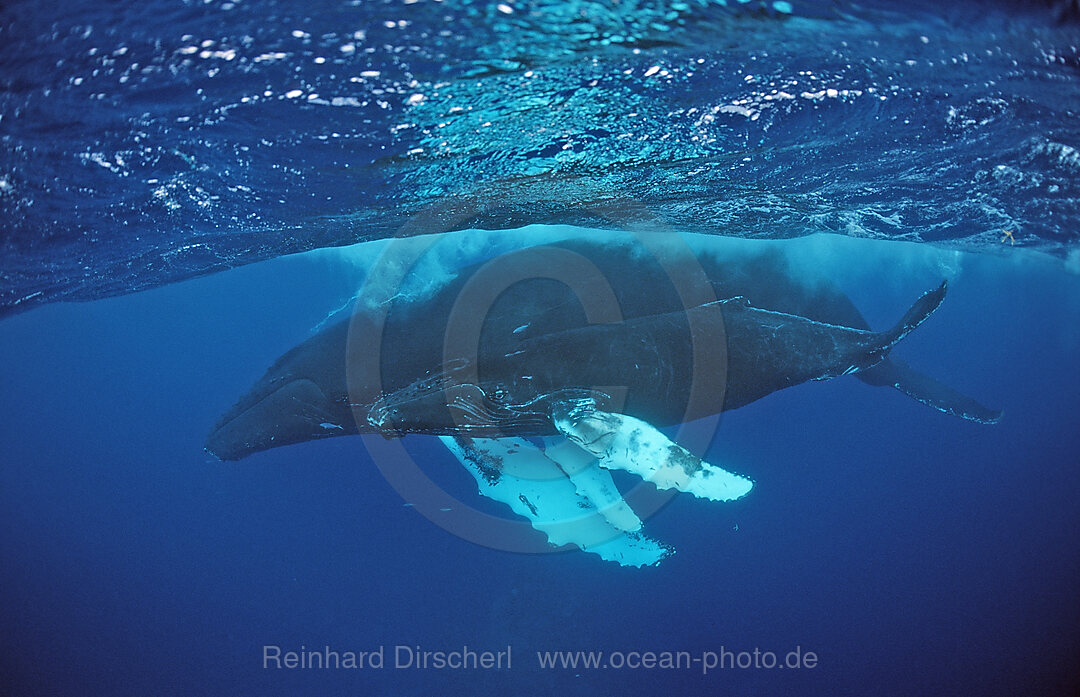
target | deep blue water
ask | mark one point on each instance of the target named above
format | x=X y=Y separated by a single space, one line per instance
x=913 y=553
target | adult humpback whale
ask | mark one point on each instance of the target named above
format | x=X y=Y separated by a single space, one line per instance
x=538 y=365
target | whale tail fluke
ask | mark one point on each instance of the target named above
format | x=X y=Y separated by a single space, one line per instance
x=893 y=372
x=916 y=315
x=923 y=388
x=922 y=308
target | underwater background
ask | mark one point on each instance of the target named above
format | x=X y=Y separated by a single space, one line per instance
x=147 y=145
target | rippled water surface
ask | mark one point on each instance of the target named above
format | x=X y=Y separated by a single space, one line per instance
x=144 y=144
x=151 y=142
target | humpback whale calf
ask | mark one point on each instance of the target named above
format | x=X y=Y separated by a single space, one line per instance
x=538 y=366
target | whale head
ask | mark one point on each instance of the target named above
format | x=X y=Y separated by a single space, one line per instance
x=302 y=397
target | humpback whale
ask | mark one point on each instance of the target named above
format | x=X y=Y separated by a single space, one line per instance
x=649 y=357
x=536 y=365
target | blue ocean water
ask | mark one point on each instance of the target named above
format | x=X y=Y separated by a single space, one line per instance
x=145 y=146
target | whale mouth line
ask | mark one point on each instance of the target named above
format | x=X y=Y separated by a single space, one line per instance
x=246 y=428
x=473 y=408
x=233 y=415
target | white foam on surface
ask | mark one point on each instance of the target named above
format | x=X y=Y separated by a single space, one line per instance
x=384 y=268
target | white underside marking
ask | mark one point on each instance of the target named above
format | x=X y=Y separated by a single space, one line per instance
x=622 y=442
x=579 y=506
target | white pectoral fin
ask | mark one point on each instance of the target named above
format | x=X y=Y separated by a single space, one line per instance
x=594 y=484
x=622 y=442
x=566 y=492
x=582 y=508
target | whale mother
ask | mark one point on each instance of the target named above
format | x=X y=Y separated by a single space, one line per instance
x=305 y=394
x=538 y=365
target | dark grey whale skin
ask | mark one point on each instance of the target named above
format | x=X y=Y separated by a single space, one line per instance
x=304 y=395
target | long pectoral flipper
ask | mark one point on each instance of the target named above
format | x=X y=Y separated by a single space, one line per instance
x=623 y=442
x=594 y=484
x=582 y=508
